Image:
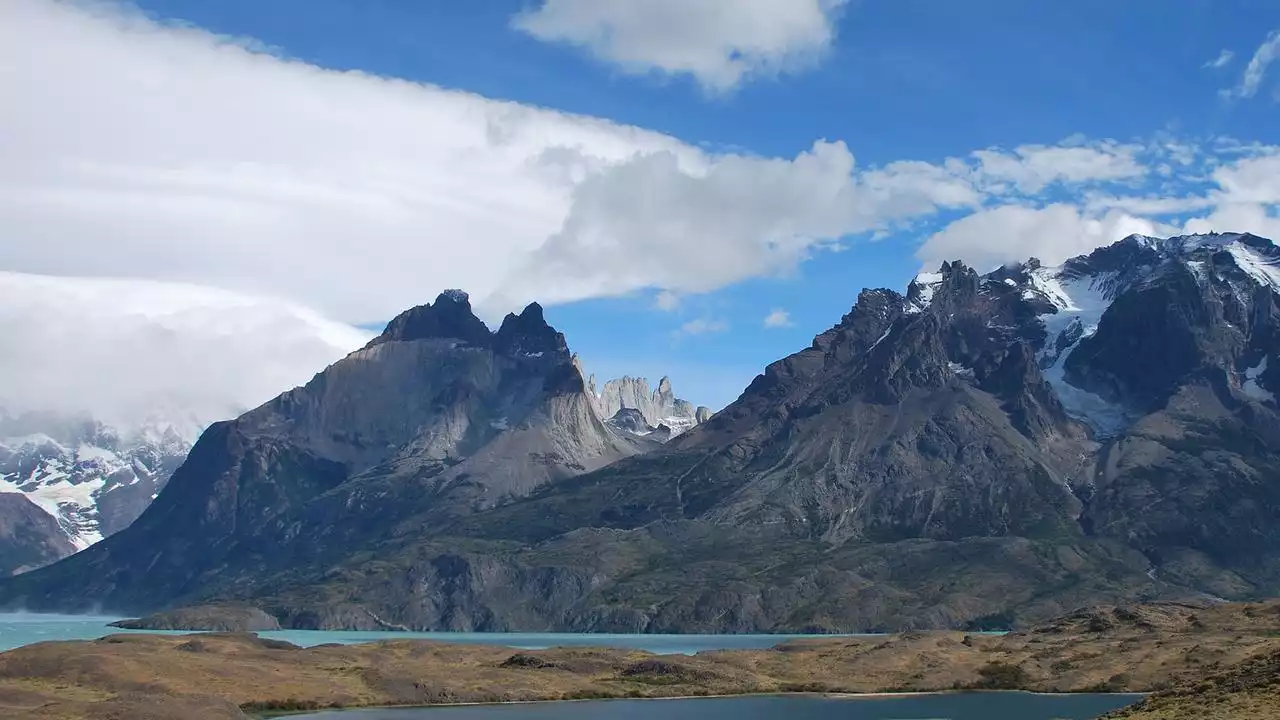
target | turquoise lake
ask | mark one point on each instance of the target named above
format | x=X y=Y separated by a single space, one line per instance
x=17 y=630
x=958 y=706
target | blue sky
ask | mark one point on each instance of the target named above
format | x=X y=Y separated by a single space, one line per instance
x=1132 y=92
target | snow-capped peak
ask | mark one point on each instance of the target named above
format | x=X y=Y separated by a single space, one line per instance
x=921 y=291
x=93 y=479
x=1079 y=292
x=1185 y=243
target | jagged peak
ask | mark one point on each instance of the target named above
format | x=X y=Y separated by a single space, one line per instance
x=1191 y=242
x=449 y=317
x=871 y=295
x=529 y=335
x=455 y=296
x=926 y=285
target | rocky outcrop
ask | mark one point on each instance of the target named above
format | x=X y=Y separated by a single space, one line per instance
x=632 y=421
x=29 y=537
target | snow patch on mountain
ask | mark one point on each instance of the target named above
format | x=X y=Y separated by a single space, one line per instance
x=920 y=293
x=1081 y=291
x=89 y=478
x=1262 y=269
x=1251 y=386
x=1080 y=304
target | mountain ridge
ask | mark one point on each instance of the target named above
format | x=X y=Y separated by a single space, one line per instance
x=983 y=446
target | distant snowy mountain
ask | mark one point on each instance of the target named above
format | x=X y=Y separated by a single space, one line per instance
x=1237 y=272
x=91 y=478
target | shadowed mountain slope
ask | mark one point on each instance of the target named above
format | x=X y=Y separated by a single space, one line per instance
x=983 y=450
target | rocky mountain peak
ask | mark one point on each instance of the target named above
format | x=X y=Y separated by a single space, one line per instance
x=449 y=318
x=528 y=335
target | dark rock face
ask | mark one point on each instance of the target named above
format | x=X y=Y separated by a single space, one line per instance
x=1007 y=446
x=631 y=420
x=450 y=317
x=29 y=537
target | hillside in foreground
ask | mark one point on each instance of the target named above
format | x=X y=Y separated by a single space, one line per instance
x=1111 y=649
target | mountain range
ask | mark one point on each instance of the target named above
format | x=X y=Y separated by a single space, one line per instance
x=983 y=450
x=66 y=482
x=78 y=480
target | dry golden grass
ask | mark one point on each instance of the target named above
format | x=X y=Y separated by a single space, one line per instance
x=213 y=676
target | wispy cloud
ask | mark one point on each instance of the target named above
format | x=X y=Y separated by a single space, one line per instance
x=1256 y=71
x=1223 y=59
x=703 y=326
x=667 y=301
x=778 y=318
x=1032 y=168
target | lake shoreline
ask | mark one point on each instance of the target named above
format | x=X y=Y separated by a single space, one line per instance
x=1104 y=651
x=689 y=698
x=18 y=629
x=853 y=697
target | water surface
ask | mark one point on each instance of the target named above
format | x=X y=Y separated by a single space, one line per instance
x=951 y=706
x=19 y=629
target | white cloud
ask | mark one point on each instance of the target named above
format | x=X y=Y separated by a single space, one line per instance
x=210 y=162
x=1244 y=196
x=126 y=351
x=132 y=148
x=1224 y=58
x=1254 y=179
x=1032 y=168
x=703 y=326
x=651 y=222
x=721 y=43
x=666 y=301
x=778 y=318
x=1097 y=204
x=1256 y=70
x=1248 y=197
x=655 y=221
x=1013 y=233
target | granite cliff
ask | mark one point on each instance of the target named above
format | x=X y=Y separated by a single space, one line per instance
x=630 y=405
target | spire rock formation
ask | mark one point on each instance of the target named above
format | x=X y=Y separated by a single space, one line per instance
x=631 y=406
x=983 y=450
